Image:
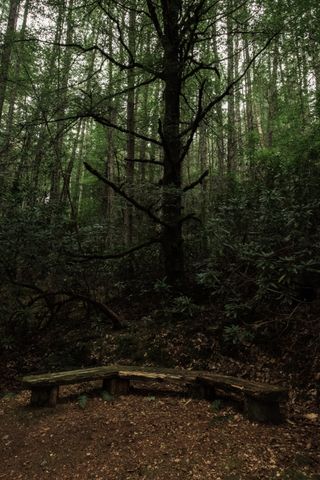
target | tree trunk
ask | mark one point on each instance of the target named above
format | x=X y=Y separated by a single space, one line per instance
x=17 y=70
x=131 y=128
x=62 y=89
x=272 y=96
x=7 y=50
x=231 y=152
x=65 y=192
x=203 y=160
x=219 y=113
x=238 y=118
x=76 y=187
x=249 y=108
x=172 y=198
x=110 y=147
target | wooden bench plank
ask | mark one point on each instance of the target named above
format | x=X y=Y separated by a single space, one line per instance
x=257 y=390
x=69 y=377
x=155 y=374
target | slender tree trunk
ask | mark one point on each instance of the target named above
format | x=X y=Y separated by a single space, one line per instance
x=7 y=51
x=68 y=171
x=172 y=241
x=249 y=121
x=154 y=151
x=272 y=96
x=110 y=150
x=315 y=59
x=76 y=187
x=301 y=78
x=17 y=70
x=130 y=127
x=238 y=116
x=219 y=114
x=144 y=116
x=231 y=151
x=203 y=160
x=59 y=147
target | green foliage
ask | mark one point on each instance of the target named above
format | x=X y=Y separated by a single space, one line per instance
x=184 y=305
x=129 y=345
x=221 y=419
x=82 y=401
x=237 y=335
x=258 y=245
x=150 y=398
x=7 y=342
x=8 y=395
x=106 y=396
x=216 y=405
x=264 y=238
x=161 y=286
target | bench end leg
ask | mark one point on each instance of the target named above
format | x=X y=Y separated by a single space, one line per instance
x=116 y=386
x=262 y=411
x=201 y=391
x=44 y=396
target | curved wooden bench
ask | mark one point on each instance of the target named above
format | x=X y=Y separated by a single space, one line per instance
x=261 y=401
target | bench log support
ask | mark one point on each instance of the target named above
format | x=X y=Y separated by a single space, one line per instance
x=116 y=386
x=44 y=396
x=201 y=391
x=264 y=411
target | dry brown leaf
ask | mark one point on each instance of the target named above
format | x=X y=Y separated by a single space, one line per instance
x=313 y=417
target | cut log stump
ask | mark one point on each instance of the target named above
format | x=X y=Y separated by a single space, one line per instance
x=264 y=411
x=116 y=386
x=201 y=391
x=44 y=396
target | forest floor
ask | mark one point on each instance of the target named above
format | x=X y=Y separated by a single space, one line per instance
x=160 y=436
x=144 y=436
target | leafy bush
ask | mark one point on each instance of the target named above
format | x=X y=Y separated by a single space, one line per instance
x=236 y=335
x=263 y=239
x=185 y=306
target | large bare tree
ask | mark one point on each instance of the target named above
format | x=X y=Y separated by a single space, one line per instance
x=179 y=28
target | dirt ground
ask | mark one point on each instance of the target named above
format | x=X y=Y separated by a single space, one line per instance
x=144 y=436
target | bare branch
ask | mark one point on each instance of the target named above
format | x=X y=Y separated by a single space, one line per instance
x=110 y=58
x=127 y=90
x=104 y=121
x=194 y=125
x=201 y=66
x=121 y=39
x=115 y=319
x=190 y=216
x=145 y=160
x=100 y=119
x=154 y=17
x=196 y=182
x=202 y=112
x=90 y=257
x=124 y=195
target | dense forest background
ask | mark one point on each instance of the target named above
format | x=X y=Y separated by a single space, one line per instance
x=159 y=184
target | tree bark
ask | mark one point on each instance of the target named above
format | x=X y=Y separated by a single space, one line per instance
x=172 y=198
x=131 y=128
x=7 y=51
x=249 y=109
x=231 y=150
x=59 y=147
x=272 y=96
